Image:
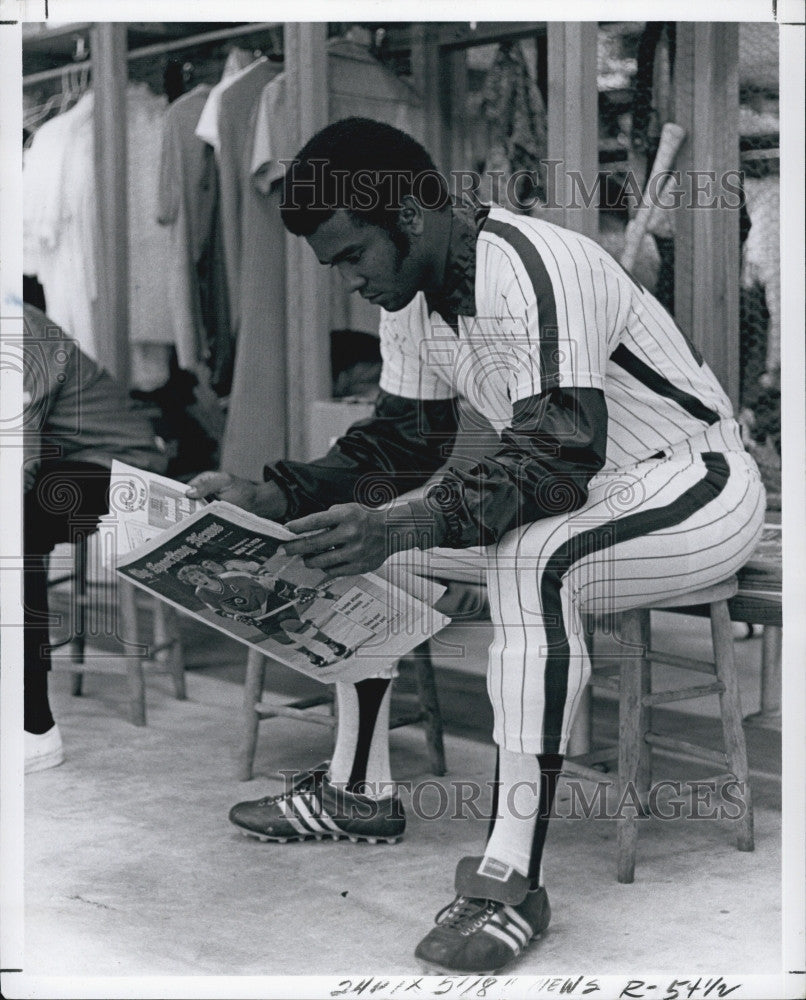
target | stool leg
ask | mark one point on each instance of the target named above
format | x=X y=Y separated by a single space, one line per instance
x=581 y=735
x=429 y=703
x=127 y=605
x=634 y=760
x=731 y=711
x=252 y=693
x=80 y=614
x=166 y=633
x=770 y=712
x=579 y=739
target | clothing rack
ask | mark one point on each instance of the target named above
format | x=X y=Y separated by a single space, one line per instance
x=224 y=34
x=159 y=48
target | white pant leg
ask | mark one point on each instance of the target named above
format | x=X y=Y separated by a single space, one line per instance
x=660 y=529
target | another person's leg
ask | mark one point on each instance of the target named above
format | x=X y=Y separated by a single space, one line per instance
x=67 y=498
x=360 y=766
x=659 y=529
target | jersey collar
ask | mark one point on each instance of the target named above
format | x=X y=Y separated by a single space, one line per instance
x=457 y=296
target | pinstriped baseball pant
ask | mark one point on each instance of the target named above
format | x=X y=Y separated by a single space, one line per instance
x=662 y=528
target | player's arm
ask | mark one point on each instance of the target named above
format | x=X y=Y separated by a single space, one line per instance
x=554 y=446
x=557 y=439
x=403 y=443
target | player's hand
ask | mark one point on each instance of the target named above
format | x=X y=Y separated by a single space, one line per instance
x=265 y=499
x=349 y=539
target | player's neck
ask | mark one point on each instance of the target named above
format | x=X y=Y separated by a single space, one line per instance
x=438 y=235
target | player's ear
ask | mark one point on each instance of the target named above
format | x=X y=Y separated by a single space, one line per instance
x=410 y=218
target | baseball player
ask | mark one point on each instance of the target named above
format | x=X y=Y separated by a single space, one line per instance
x=620 y=476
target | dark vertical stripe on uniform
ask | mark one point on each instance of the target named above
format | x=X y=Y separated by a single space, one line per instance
x=653 y=380
x=587 y=543
x=544 y=295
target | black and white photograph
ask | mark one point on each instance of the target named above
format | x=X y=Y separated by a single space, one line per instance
x=402 y=512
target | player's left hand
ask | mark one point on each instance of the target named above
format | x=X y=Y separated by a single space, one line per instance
x=349 y=539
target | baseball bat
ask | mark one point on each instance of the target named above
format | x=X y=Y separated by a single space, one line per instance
x=671 y=139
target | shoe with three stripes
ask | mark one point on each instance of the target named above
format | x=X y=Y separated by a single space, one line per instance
x=316 y=809
x=491 y=922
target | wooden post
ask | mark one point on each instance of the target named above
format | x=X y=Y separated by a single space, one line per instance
x=453 y=93
x=573 y=115
x=110 y=75
x=425 y=71
x=706 y=99
x=307 y=282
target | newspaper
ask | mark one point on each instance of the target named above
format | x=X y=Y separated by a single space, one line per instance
x=141 y=505
x=227 y=568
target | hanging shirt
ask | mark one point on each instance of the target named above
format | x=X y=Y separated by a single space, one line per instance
x=254 y=252
x=59 y=219
x=207 y=126
x=186 y=204
x=150 y=245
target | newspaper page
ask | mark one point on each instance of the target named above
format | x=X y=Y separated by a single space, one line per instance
x=227 y=568
x=141 y=505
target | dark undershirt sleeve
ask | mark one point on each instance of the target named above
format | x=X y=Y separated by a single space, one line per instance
x=556 y=443
x=397 y=449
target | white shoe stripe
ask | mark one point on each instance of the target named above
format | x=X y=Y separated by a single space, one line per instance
x=292 y=819
x=318 y=811
x=502 y=936
x=516 y=918
x=513 y=929
x=302 y=808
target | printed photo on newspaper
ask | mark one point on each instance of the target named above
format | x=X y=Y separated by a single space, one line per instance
x=227 y=568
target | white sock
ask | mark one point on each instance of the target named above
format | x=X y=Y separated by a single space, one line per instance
x=377 y=774
x=513 y=834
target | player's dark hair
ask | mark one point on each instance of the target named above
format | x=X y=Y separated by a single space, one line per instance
x=363 y=166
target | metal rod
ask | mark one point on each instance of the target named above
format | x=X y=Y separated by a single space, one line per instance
x=201 y=39
x=49 y=74
x=160 y=47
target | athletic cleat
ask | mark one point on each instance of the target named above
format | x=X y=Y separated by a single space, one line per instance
x=315 y=809
x=491 y=922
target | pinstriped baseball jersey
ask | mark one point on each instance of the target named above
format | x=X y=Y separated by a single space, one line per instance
x=554 y=309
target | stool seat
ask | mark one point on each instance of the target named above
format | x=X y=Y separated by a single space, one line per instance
x=718 y=592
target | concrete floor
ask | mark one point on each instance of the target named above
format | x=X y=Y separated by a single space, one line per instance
x=132 y=867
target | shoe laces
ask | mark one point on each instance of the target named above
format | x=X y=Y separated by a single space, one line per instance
x=306 y=783
x=467 y=914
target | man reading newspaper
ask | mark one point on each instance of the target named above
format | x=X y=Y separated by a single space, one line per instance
x=620 y=475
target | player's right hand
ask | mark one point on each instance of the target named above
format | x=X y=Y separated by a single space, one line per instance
x=264 y=499
x=222 y=486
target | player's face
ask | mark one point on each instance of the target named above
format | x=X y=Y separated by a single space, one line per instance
x=382 y=270
x=198 y=578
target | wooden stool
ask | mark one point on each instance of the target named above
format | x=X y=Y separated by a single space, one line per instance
x=631 y=680
x=255 y=709
x=164 y=651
